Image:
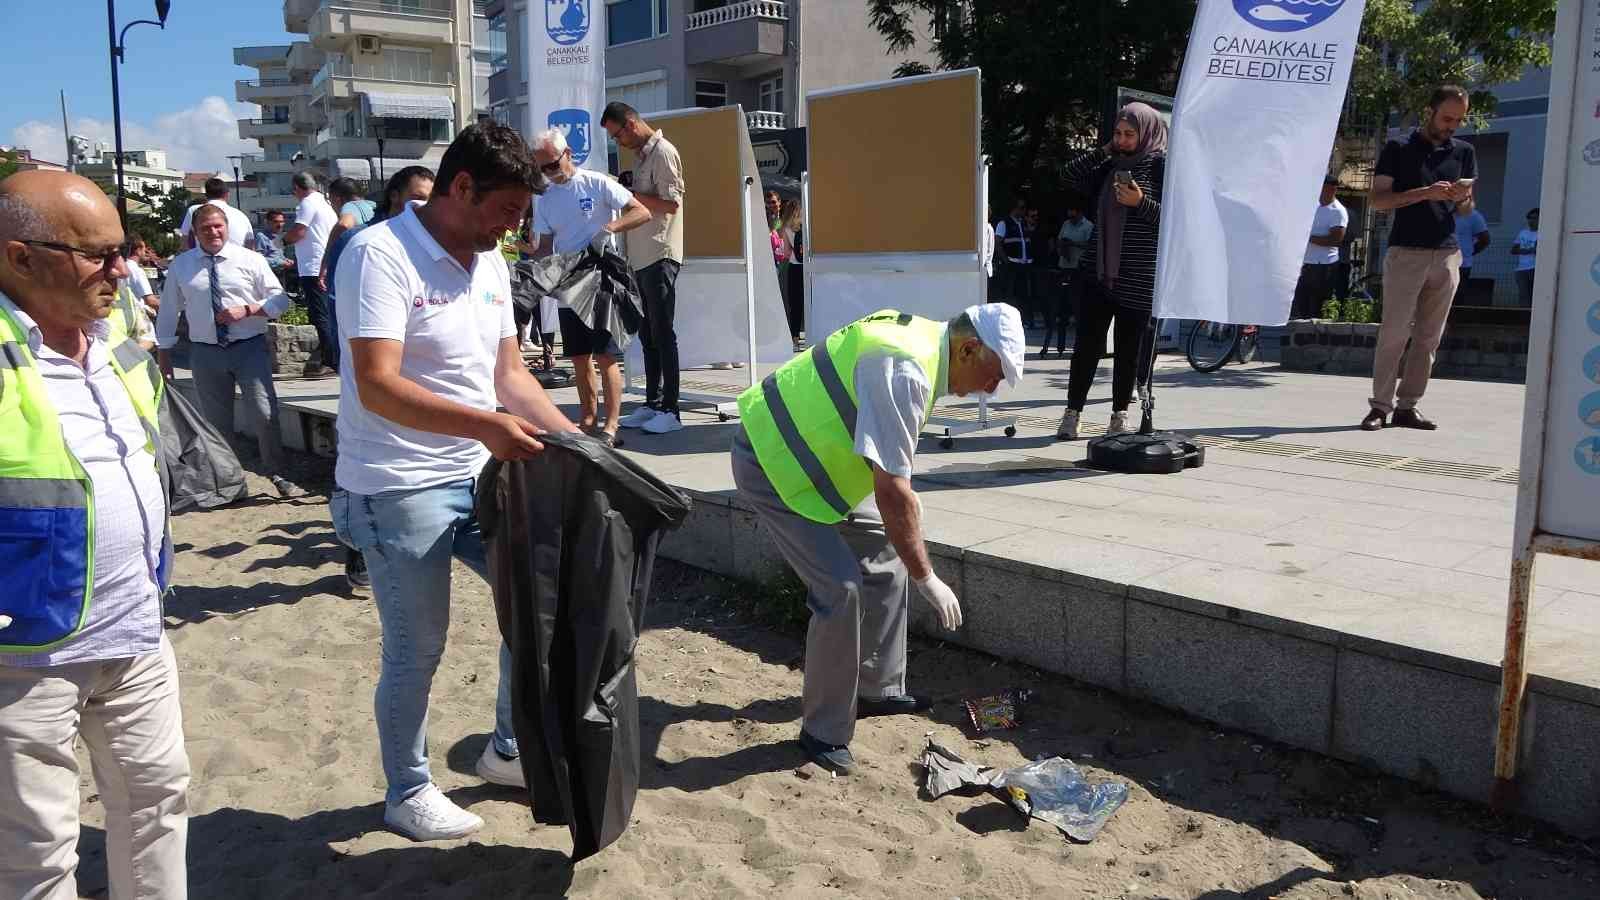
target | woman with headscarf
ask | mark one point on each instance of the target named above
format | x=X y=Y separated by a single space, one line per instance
x=1123 y=182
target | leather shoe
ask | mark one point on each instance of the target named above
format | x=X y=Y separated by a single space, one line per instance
x=834 y=757
x=905 y=704
x=1410 y=418
x=1373 y=421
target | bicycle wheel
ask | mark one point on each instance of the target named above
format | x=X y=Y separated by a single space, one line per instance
x=1210 y=345
x=1249 y=343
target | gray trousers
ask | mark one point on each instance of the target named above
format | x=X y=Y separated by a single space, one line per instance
x=859 y=596
x=246 y=364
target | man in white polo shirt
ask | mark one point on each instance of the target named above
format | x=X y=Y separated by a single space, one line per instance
x=425 y=310
x=314 y=219
x=239 y=229
x=580 y=207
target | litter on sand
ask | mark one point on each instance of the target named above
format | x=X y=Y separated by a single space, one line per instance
x=1052 y=790
x=997 y=711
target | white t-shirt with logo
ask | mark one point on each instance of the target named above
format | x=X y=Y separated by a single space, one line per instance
x=1323 y=223
x=396 y=282
x=317 y=215
x=576 y=211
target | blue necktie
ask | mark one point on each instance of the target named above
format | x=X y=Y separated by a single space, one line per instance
x=216 y=303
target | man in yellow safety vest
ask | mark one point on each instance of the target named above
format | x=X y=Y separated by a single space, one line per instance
x=824 y=456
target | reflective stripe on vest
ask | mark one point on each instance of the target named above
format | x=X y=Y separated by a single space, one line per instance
x=47 y=508
x=802 y=419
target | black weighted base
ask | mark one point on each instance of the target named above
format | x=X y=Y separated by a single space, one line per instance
x=1161 y=453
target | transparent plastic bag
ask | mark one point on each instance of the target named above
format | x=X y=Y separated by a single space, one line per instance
x=1054 y=790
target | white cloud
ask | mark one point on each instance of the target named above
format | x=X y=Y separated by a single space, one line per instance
x=197 y=139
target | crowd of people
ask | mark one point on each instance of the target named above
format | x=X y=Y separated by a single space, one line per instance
x=411 y=296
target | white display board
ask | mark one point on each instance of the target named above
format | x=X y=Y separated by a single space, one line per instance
x=1560 y=491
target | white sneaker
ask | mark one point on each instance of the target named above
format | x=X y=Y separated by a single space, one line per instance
x=638 y=417
x=663 y=423
x=429 y=815
x=496 y=769
x=1119 y=423
x=722 y=366
x=1069 y=426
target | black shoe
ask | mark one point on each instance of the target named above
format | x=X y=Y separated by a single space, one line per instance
x=905 y=704
x=833 y=757
x=1410 y=418
x=1373 y=421
x=355 y=571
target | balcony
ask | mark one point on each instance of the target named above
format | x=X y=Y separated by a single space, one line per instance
x=297 y=15
x=249 y=129
x=765 y=120
x=253 y=202
x=265 y=90
x=738 y=34
x=337 y=23
x=258 y=56
x=501 y=87
x=305 y=58
x=269 y=164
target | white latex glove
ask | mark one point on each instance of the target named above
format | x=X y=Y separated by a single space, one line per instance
x=600 y=240
x=942 y=599
x=5 y=621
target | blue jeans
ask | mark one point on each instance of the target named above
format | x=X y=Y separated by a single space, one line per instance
x=408 y=539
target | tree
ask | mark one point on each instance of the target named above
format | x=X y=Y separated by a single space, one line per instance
x=166 y=210
x=8 y=163
x=1407 y=49
x=1050 y=71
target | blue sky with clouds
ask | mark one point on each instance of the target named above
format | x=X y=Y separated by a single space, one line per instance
x=177 y=84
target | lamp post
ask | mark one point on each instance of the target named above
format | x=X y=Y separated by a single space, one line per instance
x=118 y=45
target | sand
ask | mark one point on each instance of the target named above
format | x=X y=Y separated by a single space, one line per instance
x=279 y=664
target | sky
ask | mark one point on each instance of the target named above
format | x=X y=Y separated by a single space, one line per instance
x=177 y=84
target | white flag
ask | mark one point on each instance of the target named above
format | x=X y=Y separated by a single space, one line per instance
x=567 y=75
x=1252 y=130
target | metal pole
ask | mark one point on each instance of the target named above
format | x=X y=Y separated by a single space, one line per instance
x=749 y=271
x=1513 y=682
x=116 y=108
x=66 y=132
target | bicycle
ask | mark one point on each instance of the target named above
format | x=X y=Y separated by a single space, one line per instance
x=1213 y=344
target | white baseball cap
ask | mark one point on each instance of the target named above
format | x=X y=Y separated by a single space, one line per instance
x=999 y=327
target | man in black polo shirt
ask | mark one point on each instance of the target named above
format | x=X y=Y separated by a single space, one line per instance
x=1421 y=178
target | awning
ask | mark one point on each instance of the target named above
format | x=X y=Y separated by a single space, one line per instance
x=409 y=106
x=357 y=169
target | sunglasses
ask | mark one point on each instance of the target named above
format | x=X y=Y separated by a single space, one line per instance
x=551 y=168
x=103 y=258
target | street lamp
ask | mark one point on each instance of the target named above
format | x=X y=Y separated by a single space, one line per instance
x=118 y=45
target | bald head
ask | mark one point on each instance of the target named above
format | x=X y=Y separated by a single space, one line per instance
x=58 y=286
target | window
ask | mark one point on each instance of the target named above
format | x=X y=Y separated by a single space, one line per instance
x=769 y=94
x=499 y=59
x=278 y=114
x=711 y=94
x=635 y=20
x=436 y=130
x=406 y=64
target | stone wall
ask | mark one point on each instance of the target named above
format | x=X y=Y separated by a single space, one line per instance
x=291 y=347
x=1498 y=352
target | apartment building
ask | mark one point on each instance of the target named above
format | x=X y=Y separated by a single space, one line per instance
x=672 y=54
x=376 y=86
x=143 y=171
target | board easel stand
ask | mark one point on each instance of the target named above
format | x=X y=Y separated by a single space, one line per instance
x=1562 y=292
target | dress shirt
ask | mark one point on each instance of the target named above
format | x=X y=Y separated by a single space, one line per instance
x=270 y=245
x=243 y=277
x=103 y=430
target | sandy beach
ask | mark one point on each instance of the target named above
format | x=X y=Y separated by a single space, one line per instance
x=278 y=668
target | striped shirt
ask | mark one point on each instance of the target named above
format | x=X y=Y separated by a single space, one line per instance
x=1136 y=276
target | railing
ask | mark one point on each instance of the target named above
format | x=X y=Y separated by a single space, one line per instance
x=283 y=121
x=765 y=120
x=381 y=70
x=272 y=82
x=409 y=7
x=733 y=12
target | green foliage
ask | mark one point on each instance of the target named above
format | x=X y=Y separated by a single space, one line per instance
x=167 y=209
x=1351 y=310
x=1407 y=49
x=296 y=315
x=778 y=603
x=8 y=163
x=163 y=242
x=1050 y=72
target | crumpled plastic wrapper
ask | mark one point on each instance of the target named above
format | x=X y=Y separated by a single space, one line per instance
x=1052 y=790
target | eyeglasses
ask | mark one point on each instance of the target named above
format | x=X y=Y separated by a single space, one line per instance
x=104 y=258
x=551 y=168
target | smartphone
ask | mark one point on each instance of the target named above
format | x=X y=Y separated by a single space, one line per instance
x=1123 y=176
x=1465 y=182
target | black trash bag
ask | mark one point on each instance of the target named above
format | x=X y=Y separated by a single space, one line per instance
x=204 y=471
x=598 y=287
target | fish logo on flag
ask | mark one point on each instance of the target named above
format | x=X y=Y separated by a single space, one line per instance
x=574 y=126
x=566 y=21
x=1286 y=15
